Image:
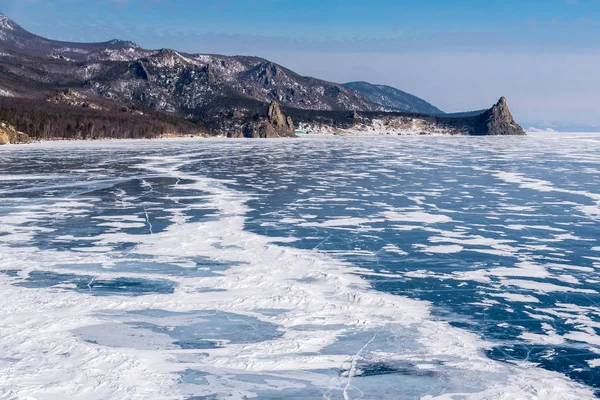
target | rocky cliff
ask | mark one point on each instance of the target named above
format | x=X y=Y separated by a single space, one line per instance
x=272 y=125
x=499 y=121
x=9 y=135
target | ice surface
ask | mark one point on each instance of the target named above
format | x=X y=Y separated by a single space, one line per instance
x=335 y=268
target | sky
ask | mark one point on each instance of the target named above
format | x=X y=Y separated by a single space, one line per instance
x=544 y=55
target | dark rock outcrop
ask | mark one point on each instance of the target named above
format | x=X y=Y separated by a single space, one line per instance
x=138 y=69
x=279 y=121
x=9 y=135
x=73 y=98
x=499 y=121
x=274 y=125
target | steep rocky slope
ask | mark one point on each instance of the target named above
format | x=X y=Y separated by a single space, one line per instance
x=273 y=124
x=499 y=121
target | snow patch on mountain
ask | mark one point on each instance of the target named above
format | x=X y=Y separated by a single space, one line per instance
x=5 y=93
x=6 y=23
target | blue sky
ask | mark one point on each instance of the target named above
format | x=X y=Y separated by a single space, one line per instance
x=457 y=54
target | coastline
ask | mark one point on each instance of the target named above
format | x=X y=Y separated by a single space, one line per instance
x=302 y=137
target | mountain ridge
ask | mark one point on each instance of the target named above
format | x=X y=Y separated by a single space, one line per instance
x=215 y=75
x=22 y=38
x=221 y=95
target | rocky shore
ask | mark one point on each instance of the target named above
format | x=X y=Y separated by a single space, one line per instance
x=9 y=135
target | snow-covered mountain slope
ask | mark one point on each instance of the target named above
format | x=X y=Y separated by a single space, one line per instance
x=220 y=93
x=164 y=79
x=392 y=99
